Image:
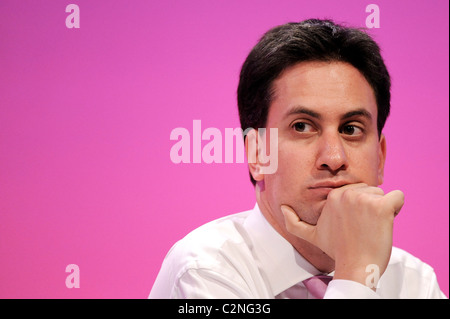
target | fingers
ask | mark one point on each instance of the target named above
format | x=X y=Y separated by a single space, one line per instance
x=297 y=227
x=362 y=186
x=395 y=200
x=315 y=234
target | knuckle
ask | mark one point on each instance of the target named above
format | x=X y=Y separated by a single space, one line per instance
x=333 y=195
x=379 y=191
x=348 y=194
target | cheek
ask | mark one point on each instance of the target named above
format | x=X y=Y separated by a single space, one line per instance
x=293 y=169
x=291 y=164
x=364 y=166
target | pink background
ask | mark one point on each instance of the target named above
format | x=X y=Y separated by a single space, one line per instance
x=86 y=114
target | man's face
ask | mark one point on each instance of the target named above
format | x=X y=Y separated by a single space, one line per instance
x=326 y=115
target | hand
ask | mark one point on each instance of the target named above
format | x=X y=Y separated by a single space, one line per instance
x=355 y=228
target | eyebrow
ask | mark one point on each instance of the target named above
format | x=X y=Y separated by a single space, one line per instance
x=358 y=112
x=304 y=110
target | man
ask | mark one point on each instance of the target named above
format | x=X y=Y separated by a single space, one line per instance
x=321 y=216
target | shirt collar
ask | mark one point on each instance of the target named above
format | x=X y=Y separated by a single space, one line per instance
x=280 y=262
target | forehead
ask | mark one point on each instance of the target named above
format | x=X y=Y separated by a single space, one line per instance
x=328 y=88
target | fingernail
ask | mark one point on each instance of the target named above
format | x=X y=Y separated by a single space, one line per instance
x=284 y=209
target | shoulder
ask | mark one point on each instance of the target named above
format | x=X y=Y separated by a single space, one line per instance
x=405 y=260
x=213 y=256
x=408 y=277
x=216 y=260
x=209 y=244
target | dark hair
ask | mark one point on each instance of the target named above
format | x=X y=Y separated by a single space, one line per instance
x=309 y=40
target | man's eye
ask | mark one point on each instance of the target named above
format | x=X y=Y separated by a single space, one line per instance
x=302 y=127
x=351 y=130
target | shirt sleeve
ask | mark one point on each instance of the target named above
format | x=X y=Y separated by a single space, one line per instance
x=434 y=291
x=348 y=289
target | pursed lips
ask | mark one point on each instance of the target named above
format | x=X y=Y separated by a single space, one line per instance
x=323 y=188
x=329 y=184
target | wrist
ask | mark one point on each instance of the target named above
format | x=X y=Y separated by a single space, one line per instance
x=365 y=274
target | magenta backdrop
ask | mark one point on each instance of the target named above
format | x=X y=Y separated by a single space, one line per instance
x=86 y=114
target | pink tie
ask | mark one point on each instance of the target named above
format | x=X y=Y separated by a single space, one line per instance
x=317 y=285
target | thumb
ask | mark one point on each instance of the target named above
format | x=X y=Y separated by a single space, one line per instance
x=396 y=199
x=297 y=227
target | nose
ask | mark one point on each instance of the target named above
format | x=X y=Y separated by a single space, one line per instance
x=331 y=154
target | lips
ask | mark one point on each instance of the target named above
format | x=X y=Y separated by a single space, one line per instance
x=322 y=189
x=329 y=184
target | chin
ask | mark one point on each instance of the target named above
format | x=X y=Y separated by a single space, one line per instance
x=311 y=213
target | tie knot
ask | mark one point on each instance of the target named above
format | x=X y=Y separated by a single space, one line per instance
x=317 y=285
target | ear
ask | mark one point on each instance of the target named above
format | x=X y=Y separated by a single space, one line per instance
x=381 y=158
x=251 y=150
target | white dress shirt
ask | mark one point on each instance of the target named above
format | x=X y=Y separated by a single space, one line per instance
x=243 y=256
